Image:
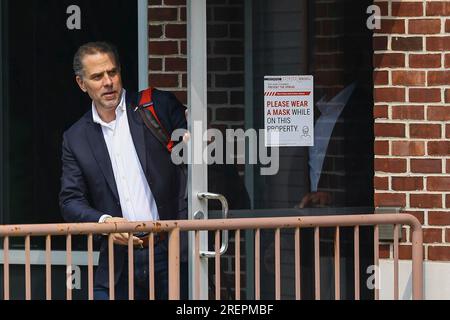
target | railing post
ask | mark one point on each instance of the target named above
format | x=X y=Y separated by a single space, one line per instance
x=417 y=261
x=174 y=264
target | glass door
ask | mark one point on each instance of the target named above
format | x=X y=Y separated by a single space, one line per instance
x=236 y=51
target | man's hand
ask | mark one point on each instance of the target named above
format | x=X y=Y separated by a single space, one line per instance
x=122 y=238
x=315 y=199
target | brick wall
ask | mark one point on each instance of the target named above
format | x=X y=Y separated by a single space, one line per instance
x=168 y=46
x=168 y=56
x=412 y=96
x=226 y=67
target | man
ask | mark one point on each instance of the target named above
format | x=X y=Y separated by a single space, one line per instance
x=115 y=170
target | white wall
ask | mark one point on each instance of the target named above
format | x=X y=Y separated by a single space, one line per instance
x=436 y=280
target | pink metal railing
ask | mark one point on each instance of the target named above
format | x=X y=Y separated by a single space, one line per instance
x=175 y=227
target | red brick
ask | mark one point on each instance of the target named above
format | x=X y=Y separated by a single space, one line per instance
x=438 y=113
x=408 y=78
x=438 y=8
x=407 y=183
x=381 y=183
x=380 y=43
x=447 y=26
x=439 y=218
x=425 y=201
x=432 y=235
x=389 y=130
x=389 y=94
x=229 y=81
x=155 y=2
x=392 y=26
x=229 y=13
x=407 y=9
x=447 y=95
x=380 y=77
x=155 y=31
x=183 y=47
x=438 y=77
x=447 y=56
x=424 y=26
x=420 y=215
x=438 y=184
x=385 y=251
x=217 y=97
x=389 y=60
x=426 y=166
x=447 y=135
x=408 y=148
x=176 y=31
x=408 y=112
x=176 y=64
x=447 y=201
x=217 y=64
x=163 y=14
x=382 y=148
x=181 y=96
x=448 y=161
x=441 y=253
x=390 y=200
x=217 y=30
x=425 y=60
x=407 y=43
x=438 y=43
x=405 y=252
x=425 y=131
x=390 y=165
x=155 y=64
x=183 y=14
x=380 y=112
x=439 y=148
x=384 y=7
x=230 y=114
x=164 y=80
x=447 y=235
x=163 y=47
x=425 y=95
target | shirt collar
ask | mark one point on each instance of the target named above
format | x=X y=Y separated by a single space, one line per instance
x=335 y=105
x=121 y=107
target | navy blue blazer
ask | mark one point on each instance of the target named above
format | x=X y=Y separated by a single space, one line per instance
x=88 y=187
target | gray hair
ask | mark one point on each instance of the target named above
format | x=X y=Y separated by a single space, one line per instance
x=90 y=49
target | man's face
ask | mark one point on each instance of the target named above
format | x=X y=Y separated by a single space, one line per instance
x=101 y=81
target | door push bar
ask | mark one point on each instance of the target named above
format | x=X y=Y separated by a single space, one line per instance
x=224 y=202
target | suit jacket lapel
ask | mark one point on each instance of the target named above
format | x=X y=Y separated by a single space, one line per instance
x=137 y=128
x=99 y=149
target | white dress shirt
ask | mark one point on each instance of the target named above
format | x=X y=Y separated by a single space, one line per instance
x=329 y=113
x=136 y=199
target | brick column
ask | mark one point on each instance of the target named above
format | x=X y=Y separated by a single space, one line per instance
x=412 y=144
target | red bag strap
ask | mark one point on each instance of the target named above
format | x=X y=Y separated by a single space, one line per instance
x=146 y=108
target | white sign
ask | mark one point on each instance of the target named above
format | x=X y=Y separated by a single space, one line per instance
x=289 y=111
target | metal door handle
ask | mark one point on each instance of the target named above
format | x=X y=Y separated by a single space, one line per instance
x=224 y=202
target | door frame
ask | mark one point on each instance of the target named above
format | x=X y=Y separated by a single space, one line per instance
x=197 y=125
